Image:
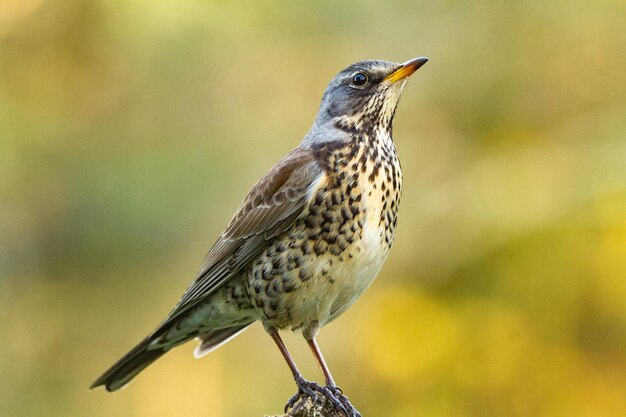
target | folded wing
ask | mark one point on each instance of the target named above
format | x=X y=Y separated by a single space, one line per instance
x=272 y=205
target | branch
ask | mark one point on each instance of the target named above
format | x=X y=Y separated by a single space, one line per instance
x=320 y=406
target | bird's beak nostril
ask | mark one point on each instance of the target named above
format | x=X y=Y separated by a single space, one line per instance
x=406 y=69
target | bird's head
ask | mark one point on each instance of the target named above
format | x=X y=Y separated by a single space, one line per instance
x=363 y=97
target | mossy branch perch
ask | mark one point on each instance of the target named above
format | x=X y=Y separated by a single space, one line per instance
x=320 y=406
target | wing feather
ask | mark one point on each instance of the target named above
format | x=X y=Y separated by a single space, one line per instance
x=272 y=205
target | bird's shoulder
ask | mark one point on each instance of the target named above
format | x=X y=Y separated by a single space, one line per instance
x=279 y=195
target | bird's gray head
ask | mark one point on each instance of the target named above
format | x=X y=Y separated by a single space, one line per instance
x=361 y=98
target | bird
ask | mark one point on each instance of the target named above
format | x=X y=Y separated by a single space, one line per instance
x=307 y=240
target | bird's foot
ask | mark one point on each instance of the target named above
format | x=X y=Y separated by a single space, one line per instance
x=347 y=405
x=312 y=390
x=306 y=389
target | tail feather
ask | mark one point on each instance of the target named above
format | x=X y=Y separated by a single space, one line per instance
x=142 y=355
x=129 y=366
x=216 y=338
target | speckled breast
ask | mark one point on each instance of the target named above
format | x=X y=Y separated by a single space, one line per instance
x=317 y=269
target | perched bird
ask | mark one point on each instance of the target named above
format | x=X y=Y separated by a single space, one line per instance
x=307 y=240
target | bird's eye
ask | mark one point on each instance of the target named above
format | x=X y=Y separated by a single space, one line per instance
x=359 y=79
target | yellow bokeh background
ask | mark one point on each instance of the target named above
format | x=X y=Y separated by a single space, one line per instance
x=130 y=131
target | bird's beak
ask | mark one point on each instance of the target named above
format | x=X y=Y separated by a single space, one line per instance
x=408 y=68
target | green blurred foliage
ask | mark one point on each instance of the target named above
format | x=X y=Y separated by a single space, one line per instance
x=129 y=132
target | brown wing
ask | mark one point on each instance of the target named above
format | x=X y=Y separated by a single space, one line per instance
x=272 y=205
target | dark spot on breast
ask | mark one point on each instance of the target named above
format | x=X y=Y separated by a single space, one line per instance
x=288 y=284
x=335 y=250
x=320 y=247
x=312 y=221
x=305 y=274
x=278 y=265
x=266 y=272
x=331 y=238
x=307 y=247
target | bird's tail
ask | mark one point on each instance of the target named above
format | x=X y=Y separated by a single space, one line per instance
x=145 y=353
x=129 y=366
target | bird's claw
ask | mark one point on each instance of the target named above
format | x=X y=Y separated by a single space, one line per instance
x=350 y=411
x=313 y=390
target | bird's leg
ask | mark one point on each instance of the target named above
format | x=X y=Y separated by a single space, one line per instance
x=297 y=376
x=331 y=387
x=305 y=388
x=283 y=349
x=330 y=382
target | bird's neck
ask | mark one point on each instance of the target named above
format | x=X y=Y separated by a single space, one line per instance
x=354 y=142
x=371 y=129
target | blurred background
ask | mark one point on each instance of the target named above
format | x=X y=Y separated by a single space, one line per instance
x=130 y=131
